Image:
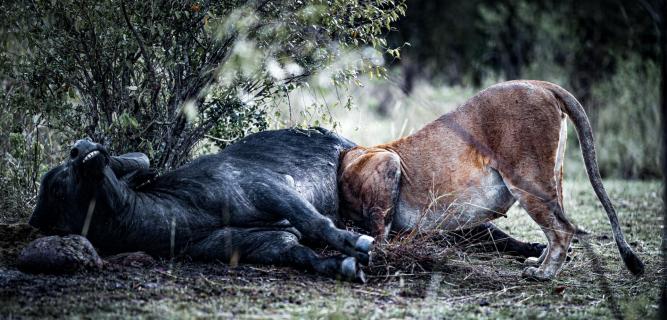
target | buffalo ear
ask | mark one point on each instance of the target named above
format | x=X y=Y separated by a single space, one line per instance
x=129 y=162
x=138 y=178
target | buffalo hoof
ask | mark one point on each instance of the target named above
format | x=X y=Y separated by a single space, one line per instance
x=364 y=243
x=361 y=277
x=532 y=261
x=532 y=273
x=350 y=270
x=364 y=258
x=535 y=249
x=363 y=247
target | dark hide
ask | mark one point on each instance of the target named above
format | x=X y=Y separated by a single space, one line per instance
x=254 y=202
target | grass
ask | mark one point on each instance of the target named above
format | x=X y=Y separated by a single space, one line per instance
x=471 y=285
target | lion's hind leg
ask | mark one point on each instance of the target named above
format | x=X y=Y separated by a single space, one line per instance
x=545 y=207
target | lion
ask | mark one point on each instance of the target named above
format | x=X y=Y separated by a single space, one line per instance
x=469 y=166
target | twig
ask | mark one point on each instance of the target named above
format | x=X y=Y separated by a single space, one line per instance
x=166 y=274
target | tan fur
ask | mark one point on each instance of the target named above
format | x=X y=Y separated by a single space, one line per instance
x=468 y=167
x=371 y=190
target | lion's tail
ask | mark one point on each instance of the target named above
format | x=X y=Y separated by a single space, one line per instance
x=576 y=112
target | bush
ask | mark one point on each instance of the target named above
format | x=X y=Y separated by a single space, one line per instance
x=161 y=76
x=626 y=120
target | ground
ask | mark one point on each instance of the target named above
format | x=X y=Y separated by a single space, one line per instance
x=470 y=285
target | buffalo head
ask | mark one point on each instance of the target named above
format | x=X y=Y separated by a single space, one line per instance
x=68 y=192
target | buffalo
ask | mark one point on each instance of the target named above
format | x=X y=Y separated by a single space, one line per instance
x=256 y=201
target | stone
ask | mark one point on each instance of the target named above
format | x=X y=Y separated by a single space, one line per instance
x=56 y=254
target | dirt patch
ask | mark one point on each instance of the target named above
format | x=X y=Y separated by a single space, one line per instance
x=130 y=282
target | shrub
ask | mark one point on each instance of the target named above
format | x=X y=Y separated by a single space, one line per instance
x=626 y=120
x=160 y=76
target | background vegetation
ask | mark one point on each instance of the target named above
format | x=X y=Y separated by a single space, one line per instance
x=606 y=52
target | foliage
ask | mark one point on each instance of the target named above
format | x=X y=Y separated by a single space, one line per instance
x=630 y=144
x=463 y=42
x=605 y=52
x=24 y=138
x=159 y=76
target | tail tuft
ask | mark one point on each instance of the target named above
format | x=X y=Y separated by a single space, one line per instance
x=634 y=264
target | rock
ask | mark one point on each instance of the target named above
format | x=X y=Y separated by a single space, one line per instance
x=132 y=259
x=55 y=254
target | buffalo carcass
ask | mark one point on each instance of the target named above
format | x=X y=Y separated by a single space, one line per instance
x=253 y=202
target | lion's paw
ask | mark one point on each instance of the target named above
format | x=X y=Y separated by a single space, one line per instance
x=532 y=273
x=532 y=261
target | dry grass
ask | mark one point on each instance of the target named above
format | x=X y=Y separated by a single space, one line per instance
x=412 y=254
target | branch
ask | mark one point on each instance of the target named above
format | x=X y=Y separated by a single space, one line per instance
x=219 y=139
x=149 y=65
x=140 y=40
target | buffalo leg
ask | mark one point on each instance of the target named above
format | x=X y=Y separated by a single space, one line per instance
x=287 y=203
x=273 y=247
x=488 y=237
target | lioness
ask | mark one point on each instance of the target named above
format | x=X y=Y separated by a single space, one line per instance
x=469 y=166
